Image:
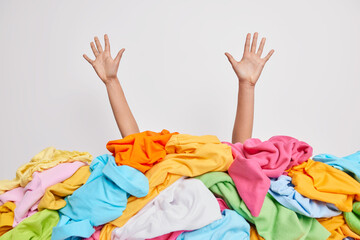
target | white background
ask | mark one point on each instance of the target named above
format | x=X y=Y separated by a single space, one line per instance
x=174 y=72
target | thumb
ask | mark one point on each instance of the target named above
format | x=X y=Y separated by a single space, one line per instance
x=118 y=56
x=230 y=58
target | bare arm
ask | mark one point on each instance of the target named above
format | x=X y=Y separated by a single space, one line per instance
x=106 y=68
x=248 y=71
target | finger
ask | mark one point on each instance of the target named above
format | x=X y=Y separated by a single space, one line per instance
x=88 y=59
x=98 y=45
x=261 y=47
x=268 y=55
x=247 y=43
x=107 y=43
x=254 y=42
x=95 y=51
x=231 y=58
x=119 y=55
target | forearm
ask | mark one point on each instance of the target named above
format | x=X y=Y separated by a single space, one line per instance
x=122 y=113
x=244 y=113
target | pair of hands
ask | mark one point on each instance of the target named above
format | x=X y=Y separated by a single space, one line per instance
x=248 y=69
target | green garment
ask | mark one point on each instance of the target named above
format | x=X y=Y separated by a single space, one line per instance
x=353 y=218
x=274 y=221
x=38 y=226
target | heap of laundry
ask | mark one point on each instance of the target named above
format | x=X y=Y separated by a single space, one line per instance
x=172 y=186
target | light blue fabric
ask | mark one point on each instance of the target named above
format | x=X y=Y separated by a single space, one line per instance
x=231 y=227
x=101 y=199
x=283 y=191
x=349 y=164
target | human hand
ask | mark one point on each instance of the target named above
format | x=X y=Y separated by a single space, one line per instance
x=249 y=68
x=105 y=67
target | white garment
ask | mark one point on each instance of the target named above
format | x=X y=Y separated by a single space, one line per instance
x=187 y=204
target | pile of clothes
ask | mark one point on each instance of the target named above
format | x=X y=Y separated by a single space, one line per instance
x=163 y=185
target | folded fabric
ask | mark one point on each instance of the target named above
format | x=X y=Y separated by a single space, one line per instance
x=338 y=228
x=140 y=150
x=254 y=235
x=96 y=234
x=35 y=189
x=179 y=207
x=6 y=217
x=187 y=155
x=349 y=164
x=283 y=191
x=319 y=181
x=47 y=158
x=53 y=197
x=230 y=226
x=261 y=161
x=273 y=218
x=353 y=218
x=38 y=226
x=101 y=199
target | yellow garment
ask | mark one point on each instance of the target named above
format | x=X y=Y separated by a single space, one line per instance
x=187 y=155
x=53 y=197
x=337 y=227
x=254 y=235
x=6 y=217
x=47 y=158
x=319 y=181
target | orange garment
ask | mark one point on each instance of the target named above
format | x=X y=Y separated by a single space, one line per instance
x=319 y=181
x=254 y=235
x=186 y=155
x=140 y=150
x=6 y=217
x=337 y=227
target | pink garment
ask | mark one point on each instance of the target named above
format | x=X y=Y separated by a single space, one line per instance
x=27 y=199
x=174 y=235
x=96 y=234
x=255 y=162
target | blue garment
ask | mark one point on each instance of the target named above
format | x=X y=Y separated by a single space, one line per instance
x=349 y=164
x=283 y=191
x=101 y=199
x=232 y=226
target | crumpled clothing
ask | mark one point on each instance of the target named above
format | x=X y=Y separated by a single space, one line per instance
x=273 y=218
x=140 y=150
x=283 y=191
x=101 y=199
x=349 y=164
x=338 y=228
x=187 y=155
x=353 y=218
x=54 y=196
x=319 y=181
x=6 y=217
x=178 y=207
x=47 y=158
x=38 y=226
x=263 y=160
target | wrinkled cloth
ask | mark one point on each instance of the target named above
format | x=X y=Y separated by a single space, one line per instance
x=178 y=207
x=231 y=226
x=101 y=199
x=338 y=228
x=96 y=234
x=283 y=191
x=349 y=164
x=187 y=155
x=47 y=158
x=140 y=150
x=54 y=196
x=273 y=218
x=353 y=218
x=319 y=181
x=255 y=162
x=38 y=226
x=6 y=217
x=254 y=235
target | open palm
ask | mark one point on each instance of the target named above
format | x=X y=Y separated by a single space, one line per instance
x=105 y=67
x=249 y=68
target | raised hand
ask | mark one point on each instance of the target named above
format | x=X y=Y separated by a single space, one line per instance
x=249 y=68
x=105 y=67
